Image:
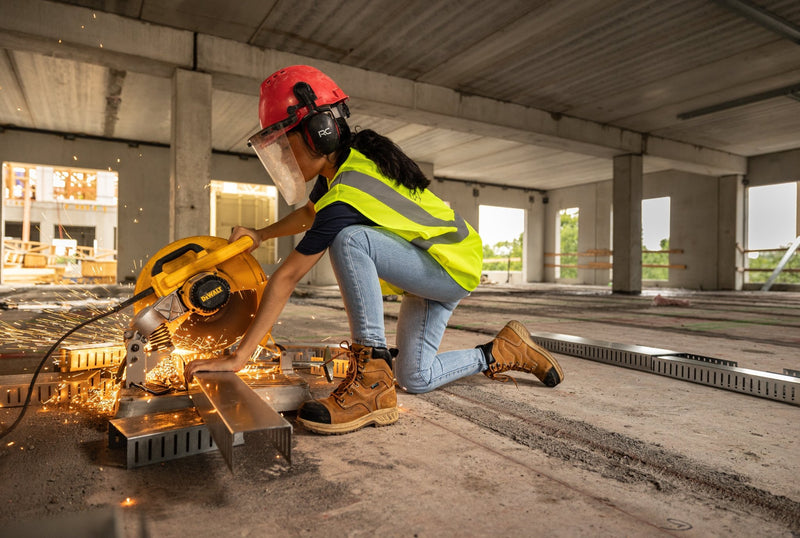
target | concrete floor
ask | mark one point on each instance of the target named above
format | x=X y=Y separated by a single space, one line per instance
x=609 y=452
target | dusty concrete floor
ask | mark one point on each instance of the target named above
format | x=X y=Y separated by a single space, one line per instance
x=608 y=452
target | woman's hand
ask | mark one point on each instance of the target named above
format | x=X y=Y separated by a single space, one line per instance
x=230 y=363
x=241 y=231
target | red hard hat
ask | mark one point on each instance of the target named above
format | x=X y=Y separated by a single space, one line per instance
x=279 y=104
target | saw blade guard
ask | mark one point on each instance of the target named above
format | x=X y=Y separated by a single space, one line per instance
x=212 y=289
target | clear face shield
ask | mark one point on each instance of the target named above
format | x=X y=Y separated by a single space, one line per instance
x=273 y=150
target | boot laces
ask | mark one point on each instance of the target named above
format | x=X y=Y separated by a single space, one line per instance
x=354 y=372
x=503 y=378
x=495 y=369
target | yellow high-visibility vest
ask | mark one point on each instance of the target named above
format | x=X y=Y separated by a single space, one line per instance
x=419 y=217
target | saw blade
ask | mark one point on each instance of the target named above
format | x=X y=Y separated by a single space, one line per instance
x=221 y=329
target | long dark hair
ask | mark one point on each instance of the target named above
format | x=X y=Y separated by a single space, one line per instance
x=391 y=160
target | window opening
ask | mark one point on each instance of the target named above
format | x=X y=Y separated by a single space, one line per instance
x=655 y=238
x=13 y=230
x=245 y=204
x=502 y=230
x=73 y=236
x=771 y=229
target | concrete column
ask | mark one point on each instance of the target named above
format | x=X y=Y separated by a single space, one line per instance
x=602 y=231
x=797 y=210
x=533 y=249
x=627 y=198
x=730 y=232
x=465 y=201
x=190 y=155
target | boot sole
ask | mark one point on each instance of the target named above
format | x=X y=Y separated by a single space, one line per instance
x=380 y=417
x=552 y=376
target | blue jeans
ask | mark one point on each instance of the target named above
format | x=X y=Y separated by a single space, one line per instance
x=360 y=256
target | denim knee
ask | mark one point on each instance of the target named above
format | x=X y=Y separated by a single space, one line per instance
x=413 y=383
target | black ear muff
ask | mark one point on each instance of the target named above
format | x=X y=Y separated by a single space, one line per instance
x=321 y=132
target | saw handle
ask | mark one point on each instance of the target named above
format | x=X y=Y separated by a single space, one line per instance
x=174 y=255
x=166 y=283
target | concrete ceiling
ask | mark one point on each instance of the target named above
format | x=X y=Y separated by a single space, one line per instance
x=529 y=93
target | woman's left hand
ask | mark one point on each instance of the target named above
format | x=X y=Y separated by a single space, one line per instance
x=228 y=364
x=241 y=231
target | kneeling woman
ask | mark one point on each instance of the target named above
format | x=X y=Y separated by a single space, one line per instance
x=371 y=207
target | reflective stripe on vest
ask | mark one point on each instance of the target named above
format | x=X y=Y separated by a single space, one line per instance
x=421 y=217
x=390 y=197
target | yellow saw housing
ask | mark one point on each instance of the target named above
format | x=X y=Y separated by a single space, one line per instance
x=219 y=284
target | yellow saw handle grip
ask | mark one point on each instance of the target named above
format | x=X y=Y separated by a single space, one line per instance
x=166 y=283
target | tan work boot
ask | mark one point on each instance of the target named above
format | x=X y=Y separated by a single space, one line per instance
x=365 y=396
x=513 y=349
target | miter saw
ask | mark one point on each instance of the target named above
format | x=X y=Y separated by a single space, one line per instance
x=199 y=295
x=195 y=299
x=205 y=292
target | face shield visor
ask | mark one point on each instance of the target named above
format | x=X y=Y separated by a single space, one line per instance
x=273 y=150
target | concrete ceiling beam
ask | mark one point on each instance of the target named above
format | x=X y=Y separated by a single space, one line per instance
x=95 y=37
x=240 y=67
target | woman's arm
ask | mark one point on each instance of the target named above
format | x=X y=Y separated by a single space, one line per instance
x=295 y=222
x=276 y=294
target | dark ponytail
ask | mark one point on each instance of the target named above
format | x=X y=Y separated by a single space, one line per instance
x=391 y=160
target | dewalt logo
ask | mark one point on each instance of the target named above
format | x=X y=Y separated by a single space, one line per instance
x=213 y=293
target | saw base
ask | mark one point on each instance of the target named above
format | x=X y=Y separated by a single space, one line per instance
x=283 y=392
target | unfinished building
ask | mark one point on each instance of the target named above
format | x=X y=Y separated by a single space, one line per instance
x=639 y=162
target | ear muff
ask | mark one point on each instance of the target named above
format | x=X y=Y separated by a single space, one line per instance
x=321 y=131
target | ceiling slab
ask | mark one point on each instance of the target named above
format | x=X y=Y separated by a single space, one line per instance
x=70 y=103
x=529 y=93
x=145 y=109
x=16 y=110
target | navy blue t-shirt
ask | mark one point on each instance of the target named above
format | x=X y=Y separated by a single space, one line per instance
x=328 y=222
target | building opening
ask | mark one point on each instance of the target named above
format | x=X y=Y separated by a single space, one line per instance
x=59 y=224
x=771 y=229
x=566 y=266
x=502 y=231
x=655 y=238
x=245 y=204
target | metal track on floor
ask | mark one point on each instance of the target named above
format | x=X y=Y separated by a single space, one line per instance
x=159 y=437
x=719 y=373
x=50 y=388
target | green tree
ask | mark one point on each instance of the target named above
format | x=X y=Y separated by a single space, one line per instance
x=770 y=260
x=652 y=258
x=568 y=243
x=497 y=256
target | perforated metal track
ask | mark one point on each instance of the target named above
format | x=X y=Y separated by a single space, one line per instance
x=50 y=388
x=719 y=373
x=159 y=437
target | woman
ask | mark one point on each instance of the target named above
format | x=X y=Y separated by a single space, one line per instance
x=370 y=206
